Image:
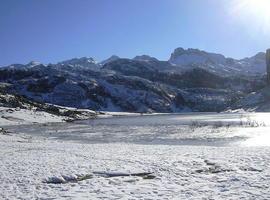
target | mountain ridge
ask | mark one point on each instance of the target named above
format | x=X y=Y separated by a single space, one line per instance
x=184 y=59
x=141 y=84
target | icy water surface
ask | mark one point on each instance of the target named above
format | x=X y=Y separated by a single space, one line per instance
x=202 y=129
x=192 y=156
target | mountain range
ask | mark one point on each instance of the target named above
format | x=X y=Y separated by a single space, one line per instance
x=191 y=80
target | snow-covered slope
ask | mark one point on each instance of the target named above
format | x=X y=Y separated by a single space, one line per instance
x=256 y=64
x=15 y=109
x=256 y=101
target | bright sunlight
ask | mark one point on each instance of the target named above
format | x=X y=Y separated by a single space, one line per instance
x=254 y=11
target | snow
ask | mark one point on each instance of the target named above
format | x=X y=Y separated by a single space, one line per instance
x=16 y=116
x=32 y=154
x=177 y=168
x=255 y=101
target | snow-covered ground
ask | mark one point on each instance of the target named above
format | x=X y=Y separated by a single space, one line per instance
x=192 y=156
x=15 y=116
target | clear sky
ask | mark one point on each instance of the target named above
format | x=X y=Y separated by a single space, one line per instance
x=55 y=30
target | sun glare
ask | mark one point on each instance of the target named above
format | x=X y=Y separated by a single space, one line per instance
x=254 y=12
x=258 y=7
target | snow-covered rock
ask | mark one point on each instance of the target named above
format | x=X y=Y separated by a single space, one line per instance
x=15 y=109
x=256 y=101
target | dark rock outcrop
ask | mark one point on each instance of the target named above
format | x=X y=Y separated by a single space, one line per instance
x=268 y=65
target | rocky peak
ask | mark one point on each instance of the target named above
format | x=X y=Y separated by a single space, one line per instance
x=33 y=64
x=260 y=55
x=191 y=56
x=79 y=61
x=110 y=59
x=84 y=62
x=145 y=58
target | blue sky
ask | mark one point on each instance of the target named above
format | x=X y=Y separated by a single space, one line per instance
x=55 y=30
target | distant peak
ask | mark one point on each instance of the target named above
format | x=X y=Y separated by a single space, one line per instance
x=145 y=58
x=114 y=56
x=180 y=51
x=87 y=59
x=79 y=61
x=260 y=55
x=110 y=59
x=191 y=56
x=33 y=63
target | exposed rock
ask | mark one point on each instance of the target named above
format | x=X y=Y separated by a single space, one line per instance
x=268 y=66
x=144 y=175
x=67 y=179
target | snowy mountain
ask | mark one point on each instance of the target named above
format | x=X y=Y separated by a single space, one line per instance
x=217 y=63
x=254 y=64
x=21 y=66
x=181 y=56
x=84 y=62
x=192 y=80
x=127 y=85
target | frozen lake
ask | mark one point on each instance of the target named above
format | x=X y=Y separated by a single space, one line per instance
x=192 y=156
x=206 y=129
